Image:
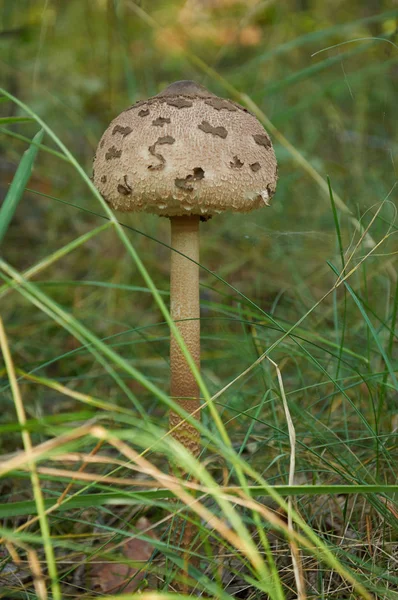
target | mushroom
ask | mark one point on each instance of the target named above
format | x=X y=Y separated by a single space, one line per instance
x=185 y=154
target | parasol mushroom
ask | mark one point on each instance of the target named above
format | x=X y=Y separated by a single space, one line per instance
x=185 y=154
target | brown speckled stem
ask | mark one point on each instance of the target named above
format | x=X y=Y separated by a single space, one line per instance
x=185 y=311
x=184 y=304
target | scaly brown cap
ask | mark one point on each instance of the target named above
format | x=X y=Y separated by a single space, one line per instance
x=185 y=152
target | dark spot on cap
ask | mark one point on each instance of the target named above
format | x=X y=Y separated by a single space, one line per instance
x=103 y=179
x=262 y=140
x=198 y=173
x=122 y=190
x=185 y=183
x=123 y=130
x=166 y=139
x=125 y=189
x=160 y=121
x=255 y=167
x=162 y=159
x=236 y=163
x=144 y=112
x=179 y=102
x=102 y=143
x=113 y=152
x=220 y=104
x=217 y=131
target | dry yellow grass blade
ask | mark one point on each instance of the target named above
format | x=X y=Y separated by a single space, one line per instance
x=43 y=450
x=38 y=496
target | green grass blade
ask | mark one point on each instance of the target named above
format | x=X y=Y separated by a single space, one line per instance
x=8 y=120
x=336 y=222
x=140 y=497
x=341 y=250
x=18 y=185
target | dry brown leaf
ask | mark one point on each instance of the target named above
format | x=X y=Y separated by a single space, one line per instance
x=110 y=577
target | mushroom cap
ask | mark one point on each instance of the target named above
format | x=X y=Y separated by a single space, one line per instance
x=185 y=152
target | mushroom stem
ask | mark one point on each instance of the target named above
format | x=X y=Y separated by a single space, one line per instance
x=185 y=311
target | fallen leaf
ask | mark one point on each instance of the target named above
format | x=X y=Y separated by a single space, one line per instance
x=110 y=577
